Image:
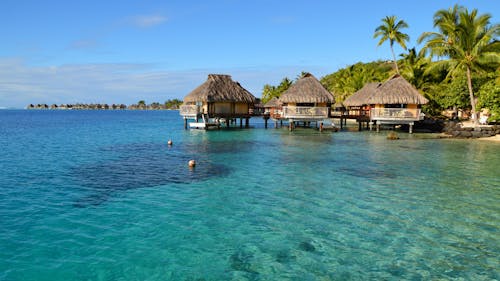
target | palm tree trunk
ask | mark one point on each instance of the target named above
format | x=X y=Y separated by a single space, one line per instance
x=472 y=99
x=394 y=57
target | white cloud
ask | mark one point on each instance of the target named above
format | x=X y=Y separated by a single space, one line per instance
x=21 y=84
x=148 y=20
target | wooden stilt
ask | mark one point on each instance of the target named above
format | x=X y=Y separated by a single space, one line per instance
x=247 y=122
x=411 y=128
x=185 y=123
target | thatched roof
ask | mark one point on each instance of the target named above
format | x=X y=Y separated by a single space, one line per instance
x=360 y=97
x=220 y=88
x=307 y=90
x=274 y=102
x=396 y=90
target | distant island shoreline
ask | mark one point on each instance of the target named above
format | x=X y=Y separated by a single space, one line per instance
x=141 y=105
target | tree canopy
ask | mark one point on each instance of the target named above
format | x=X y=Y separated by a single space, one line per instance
x=467 y=42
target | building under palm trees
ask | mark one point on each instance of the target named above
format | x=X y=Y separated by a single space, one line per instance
x=306 y=101
x=218 y=100
x=394 y=102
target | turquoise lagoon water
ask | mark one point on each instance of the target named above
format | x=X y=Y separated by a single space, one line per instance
x=99 y=195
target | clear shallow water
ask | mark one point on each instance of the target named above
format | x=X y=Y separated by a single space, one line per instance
x=98 y=195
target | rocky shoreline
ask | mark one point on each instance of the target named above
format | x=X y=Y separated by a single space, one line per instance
x=456 y=129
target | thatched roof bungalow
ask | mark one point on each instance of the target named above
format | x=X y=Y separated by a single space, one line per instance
x=274 y=102
x=273 y=108
x=218 y=97
x=221 y=96
x=396 y=101
x=357 y=104
x=307 y=90
x=396 y=91
x=306 y=100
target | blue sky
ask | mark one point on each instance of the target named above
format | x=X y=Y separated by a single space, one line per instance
x=124 y=51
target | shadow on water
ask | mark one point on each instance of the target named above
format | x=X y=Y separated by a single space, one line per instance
x=139 y=166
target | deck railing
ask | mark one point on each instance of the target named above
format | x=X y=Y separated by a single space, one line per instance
x=304 y=112
x=189 y=110
x=396 y=114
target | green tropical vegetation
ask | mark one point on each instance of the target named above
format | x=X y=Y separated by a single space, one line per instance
x=173 y=103
x=270 y=91
x=169 y=104
x=457 y=68
x=468 y=42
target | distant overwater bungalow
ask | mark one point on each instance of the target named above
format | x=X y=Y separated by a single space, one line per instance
x=273 y=108
x=306 y=102
x=394 y=102
x=216 y=102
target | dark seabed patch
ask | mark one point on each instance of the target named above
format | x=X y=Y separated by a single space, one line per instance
x=138 y=166
x=307 y=246
x=242 y=260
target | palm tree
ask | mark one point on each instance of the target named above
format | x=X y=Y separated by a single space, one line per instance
x=467 y=40
x=413 y=69
x=390 y=29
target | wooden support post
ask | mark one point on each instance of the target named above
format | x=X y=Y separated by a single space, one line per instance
x=276 y=124
x=265 y=122
x=378 y=127
x=241 y=122
x=247 y=122
x=359 y=125
x=411 y=128
x=185 y=123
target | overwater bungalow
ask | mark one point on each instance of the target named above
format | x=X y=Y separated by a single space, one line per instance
x=218 y=100
x=273 y=108
x=357 y=105
x=306 y=101
x=396 y=102
x=273 y=111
